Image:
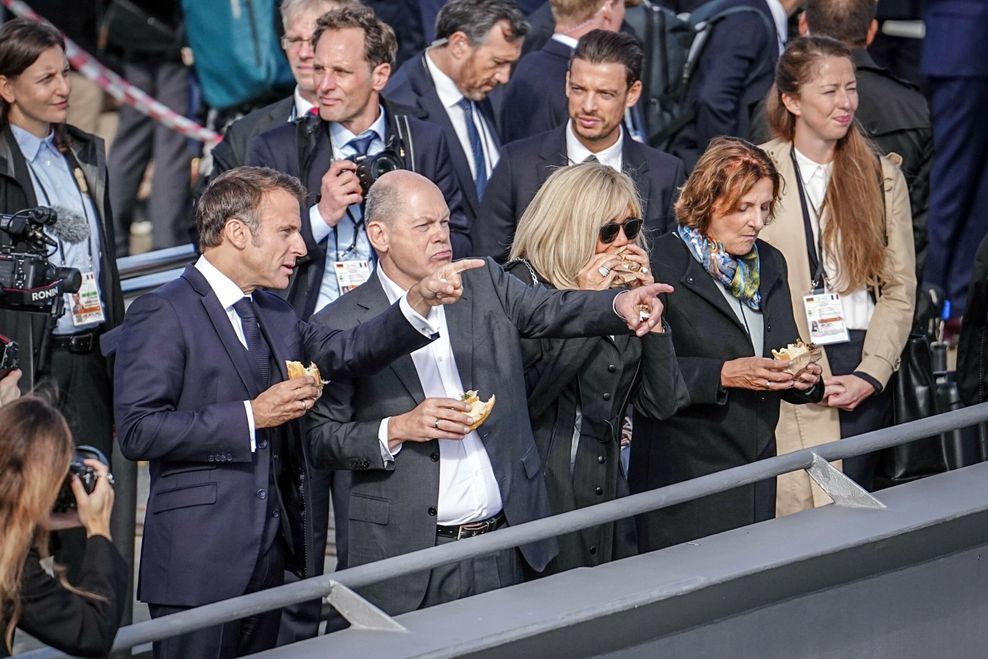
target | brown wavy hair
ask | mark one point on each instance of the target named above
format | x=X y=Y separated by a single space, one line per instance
x=855 y=227
x=726 y=171
x=35 y=449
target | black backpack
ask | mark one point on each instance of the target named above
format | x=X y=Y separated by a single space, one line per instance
x=673 y=44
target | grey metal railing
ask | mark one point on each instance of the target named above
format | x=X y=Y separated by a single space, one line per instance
x=318 y=587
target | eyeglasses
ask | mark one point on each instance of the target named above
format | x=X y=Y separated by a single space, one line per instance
x=294 y=43
x=632 y=227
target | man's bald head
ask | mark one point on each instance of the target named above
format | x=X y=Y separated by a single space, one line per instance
x=388 y=197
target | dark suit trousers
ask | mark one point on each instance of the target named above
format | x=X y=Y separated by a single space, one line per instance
x=473 y=576
x=237 y=638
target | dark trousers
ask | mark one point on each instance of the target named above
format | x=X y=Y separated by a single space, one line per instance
x=958 y=216
x=139 y=139
x=874 y=412
x=473 y=576
x=233 y=639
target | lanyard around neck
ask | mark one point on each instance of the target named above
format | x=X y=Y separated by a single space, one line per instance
x=814 y=248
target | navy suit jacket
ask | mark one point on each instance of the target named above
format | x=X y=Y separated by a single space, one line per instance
x=286 y=147
x=722 y=100
x=956 y=45
x=413 y=87
x=393 y=505
x=535 y=99
x=525 y=165
x=182 y=377
x=234 y=150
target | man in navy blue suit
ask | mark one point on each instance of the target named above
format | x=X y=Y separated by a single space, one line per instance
x=955 y=57
x=734 y=72
x=476 y=43
x=203 y=394
x=354 y=52
x=604 y=80
x=535 y=99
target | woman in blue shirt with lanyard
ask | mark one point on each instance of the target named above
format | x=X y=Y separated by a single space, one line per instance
x=844 y=226
x=44 y=162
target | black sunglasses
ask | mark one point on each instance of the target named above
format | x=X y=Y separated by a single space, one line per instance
x=632 y=226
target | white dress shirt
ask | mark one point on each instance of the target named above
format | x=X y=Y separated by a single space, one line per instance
x=449 y=96
x=228 y=293
x=858 y=305
x=781 y=20
x=301 y=107
x=468 y=491
x=577 y=153
x=338 y=245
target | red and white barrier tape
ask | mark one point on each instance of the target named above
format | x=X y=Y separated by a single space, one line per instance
x=119 y=88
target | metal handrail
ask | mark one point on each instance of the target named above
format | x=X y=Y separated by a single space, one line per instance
x=541 y=529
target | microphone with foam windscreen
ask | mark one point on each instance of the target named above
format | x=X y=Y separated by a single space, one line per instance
x=71 y=226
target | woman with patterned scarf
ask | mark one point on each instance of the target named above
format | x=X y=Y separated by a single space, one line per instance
x=730 y=309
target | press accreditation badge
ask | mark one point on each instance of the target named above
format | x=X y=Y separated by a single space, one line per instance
x=825 y=318
x=86 y=306
x=350 y=274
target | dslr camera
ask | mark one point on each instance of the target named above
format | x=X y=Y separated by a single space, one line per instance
x=87 y=476
x=371 y=168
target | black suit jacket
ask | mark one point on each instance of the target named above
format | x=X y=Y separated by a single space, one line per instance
x=535 y=98
x=234 y=150
x=721 y=428
x=68 y=621
x=289 y=147
x=413 y=87
x=393 y=505
x=719 y=91
x=182 y=378
x=524 y=166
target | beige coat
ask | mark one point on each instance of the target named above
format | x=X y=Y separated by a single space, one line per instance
x=804 y=426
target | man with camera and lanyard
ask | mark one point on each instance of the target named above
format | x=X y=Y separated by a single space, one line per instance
x=356 y=133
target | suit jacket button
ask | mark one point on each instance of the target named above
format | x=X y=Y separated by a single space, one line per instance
x=768 y=327
x=611 y=368
x=262 y=444
x=432 y=512
x=607 y=395
x=593 y=549
x=599 y=491
x=601 y=459
x=261 y=494
x=434 y=457
x=689 y=280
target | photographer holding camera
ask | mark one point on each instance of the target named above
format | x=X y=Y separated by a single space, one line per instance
x=357 y=136
x=79 y=618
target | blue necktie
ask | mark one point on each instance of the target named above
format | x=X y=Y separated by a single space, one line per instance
x=476 y=146
x=256 y=345
x=361 y=144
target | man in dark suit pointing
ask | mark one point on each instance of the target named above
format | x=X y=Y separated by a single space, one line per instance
x=420 y=477
x=203 y=394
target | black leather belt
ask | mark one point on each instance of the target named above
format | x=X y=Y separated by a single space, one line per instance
x=84 y=343
x=473 y=528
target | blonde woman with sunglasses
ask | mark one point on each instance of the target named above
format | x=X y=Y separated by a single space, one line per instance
x=583 y=231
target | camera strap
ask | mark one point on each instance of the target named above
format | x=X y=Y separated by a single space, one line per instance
x=405 y=136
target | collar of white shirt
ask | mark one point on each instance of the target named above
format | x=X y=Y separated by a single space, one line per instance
x=436 y=319
x=302 y=106
x=340 y=136
x=227 y=292
x=815 y=176
x=565 y=39
x=577 y=153
x=446 y=89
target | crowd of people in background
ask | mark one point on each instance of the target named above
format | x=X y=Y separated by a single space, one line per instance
x=455 y=196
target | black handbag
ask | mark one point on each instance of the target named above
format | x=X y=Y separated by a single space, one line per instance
x=913 y=397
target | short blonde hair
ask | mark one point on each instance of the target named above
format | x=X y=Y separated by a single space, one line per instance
x=558 y=232
x=571 y=12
